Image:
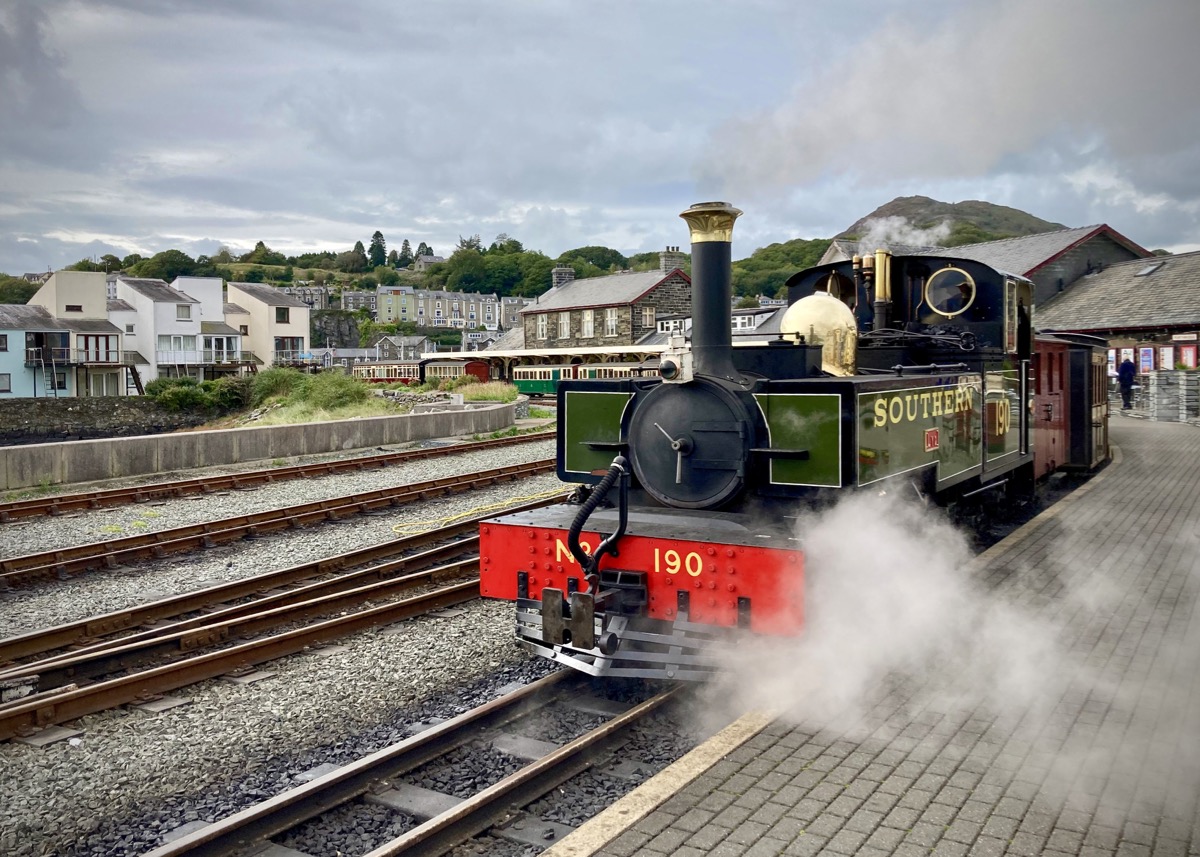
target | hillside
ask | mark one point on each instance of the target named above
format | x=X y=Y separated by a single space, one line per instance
x=971 y=216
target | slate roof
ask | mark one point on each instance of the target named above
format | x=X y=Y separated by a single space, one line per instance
x=118 y=305
x=512 y=339
x=1026 y=254
x=157 y=290
x=233 y=309
x=270 y=295
x=218 y=327
x=25 y=317
x=612 y=290
x=90 y=325
x=1117 y=298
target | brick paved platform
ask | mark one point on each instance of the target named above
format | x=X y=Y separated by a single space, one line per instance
x=1102 y=758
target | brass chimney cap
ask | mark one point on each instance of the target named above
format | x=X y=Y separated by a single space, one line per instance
x=711 y=221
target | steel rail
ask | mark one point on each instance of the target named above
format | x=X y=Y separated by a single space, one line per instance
x=410 y=567
x=258 y=823
x=237 y=622
x=22 y=570
x=492 y=805
x=74 y=633
x=111 y=497
x=21 y=716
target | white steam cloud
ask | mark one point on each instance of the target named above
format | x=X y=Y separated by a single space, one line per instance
x=897 y=605
x=885 y=231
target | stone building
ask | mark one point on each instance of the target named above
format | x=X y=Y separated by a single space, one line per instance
x=619 y=309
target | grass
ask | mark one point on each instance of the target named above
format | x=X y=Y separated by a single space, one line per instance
x=492 y=391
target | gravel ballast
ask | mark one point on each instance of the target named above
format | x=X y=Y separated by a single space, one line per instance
x=128 y=762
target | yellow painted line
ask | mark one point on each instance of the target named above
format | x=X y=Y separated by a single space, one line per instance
x=647 y=797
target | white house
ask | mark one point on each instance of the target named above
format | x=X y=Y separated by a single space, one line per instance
x=278 y=324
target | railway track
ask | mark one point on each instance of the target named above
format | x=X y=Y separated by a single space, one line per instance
x=22 y=571
x=94 y=675
x=437 y=821
x=14 y=510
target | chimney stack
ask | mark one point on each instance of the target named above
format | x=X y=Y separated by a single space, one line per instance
x=670 y=259
x=560 y=275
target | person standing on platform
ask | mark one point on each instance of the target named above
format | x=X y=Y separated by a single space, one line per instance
x=1126 y=372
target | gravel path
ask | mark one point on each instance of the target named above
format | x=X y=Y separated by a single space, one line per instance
x=128 y=763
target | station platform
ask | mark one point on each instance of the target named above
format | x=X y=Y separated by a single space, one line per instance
x=1093 y=750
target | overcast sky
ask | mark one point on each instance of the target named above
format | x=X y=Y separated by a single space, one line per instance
x=144 y=125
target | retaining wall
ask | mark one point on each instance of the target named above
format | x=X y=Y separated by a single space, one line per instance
x=110 y=458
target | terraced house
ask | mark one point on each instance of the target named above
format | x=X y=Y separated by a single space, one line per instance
x=619 y=309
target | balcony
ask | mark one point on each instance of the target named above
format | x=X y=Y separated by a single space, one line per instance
x=202 y=357
x=294 y=358
x=48 y=354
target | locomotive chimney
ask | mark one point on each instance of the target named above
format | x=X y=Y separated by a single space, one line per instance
x=711 y=225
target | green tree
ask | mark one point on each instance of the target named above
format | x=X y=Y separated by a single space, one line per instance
x=253 y=275
x=393 y=258
x=353 y=261
x=166 y=265
x=506 y=245
x=263 y=255
x=286 y=276
x=386 y=276
x=133 y=258
x=424 y=250
x=377 y=255
x=84 y=265
x=535 y=274
x=768 y=268
x=602 y=258
x=406 y=256
x=747 y=302
x=14 y=290
x=110 y=262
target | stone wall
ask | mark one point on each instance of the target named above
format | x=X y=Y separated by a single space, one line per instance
x=41 y=420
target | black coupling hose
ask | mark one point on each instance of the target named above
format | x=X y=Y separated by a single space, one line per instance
x=617 y=470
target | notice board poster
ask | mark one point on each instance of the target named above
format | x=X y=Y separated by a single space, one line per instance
x=1146 y=361
x=1166 y=357
x=1112 y=362
x=1187 y=356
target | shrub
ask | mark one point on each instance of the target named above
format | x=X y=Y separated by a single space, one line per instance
x=276 y=382
x=185 y=397
x=160 y=385
x=334 y=389
x=232 y=392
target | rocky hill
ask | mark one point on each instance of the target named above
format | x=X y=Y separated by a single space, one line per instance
x=973 y=219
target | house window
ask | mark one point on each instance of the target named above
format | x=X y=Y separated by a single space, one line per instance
x=5 y=382
x=589 y=324
x=647 y=316
x=60 y=380
x=564 y=325
x=3 y=341
x=610 y=321
x=129 y=328
x=183 y=312
x=74 y=308
x=282 y=315
x=244 y=329
x=541 y=326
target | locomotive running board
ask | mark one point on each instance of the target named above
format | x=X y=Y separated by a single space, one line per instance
x=685 y=652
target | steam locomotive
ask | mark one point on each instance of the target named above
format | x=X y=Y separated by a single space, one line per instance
x=904 y=373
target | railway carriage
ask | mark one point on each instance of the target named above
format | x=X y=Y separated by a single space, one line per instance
x=904 y=372
x=534 y=380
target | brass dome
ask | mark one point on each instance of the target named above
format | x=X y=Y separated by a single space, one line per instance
x=825 y=321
